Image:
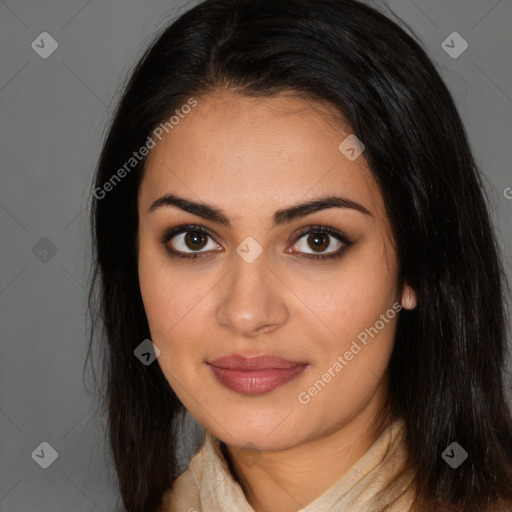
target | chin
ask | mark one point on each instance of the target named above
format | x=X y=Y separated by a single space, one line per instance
x=257 y=430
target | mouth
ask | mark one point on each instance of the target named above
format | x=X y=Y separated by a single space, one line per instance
x=255 y=375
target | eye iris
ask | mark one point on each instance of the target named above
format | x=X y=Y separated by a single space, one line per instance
x=197 y=238
x=318 y=238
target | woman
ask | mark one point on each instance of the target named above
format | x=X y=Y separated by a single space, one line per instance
x=292 y=244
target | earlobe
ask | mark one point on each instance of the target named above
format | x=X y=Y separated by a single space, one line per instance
x=409 y=300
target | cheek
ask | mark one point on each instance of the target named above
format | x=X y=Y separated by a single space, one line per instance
x=174 y=306
x=350 y=373
x=358 y=309
x=356 y=297
x=165 y=297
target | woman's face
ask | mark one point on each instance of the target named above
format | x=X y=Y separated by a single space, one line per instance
x=255 y=288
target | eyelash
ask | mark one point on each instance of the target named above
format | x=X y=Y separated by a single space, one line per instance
x=315 y=229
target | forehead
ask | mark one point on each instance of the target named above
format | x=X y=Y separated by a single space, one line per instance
x=251 y=152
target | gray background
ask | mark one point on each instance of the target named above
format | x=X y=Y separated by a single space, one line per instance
x=53 y=117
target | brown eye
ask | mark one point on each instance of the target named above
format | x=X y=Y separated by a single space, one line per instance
x=318 y=241
x=195 y=240
x=188 y=242
x=313 y=244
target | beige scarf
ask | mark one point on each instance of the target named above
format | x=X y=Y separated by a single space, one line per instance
x=377 y=482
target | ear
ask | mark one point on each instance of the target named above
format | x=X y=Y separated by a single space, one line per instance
x=409 y=299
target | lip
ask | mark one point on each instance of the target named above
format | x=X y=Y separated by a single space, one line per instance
x=255 y=375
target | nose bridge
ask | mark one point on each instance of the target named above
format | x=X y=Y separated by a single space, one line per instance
x=251 y=301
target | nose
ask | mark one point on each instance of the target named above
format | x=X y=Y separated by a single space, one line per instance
x=253 y=300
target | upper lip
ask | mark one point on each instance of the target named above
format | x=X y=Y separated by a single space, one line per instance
x=258 y=362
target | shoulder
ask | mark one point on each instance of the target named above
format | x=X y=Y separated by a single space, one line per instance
x=185 y=493
x=184 y=496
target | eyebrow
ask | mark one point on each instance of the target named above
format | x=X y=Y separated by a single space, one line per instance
x=211 y=213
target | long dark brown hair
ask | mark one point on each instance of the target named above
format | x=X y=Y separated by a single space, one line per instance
x=446 y=374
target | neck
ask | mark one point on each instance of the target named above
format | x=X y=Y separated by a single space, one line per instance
x=289 y=480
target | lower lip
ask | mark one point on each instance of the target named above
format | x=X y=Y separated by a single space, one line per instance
x=256 y=382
